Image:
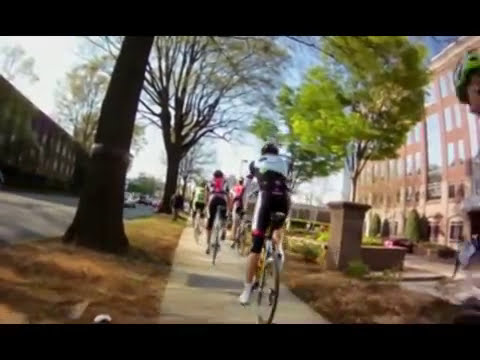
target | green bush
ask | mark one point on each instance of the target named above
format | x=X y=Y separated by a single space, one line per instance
x=385 y=229
x=357 y=269
x=308 y=249
x=423 y=228
x=412 y=228
x=372 y=241
x=375 y=225
x=323 y=236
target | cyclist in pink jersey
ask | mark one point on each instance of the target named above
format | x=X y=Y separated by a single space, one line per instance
x=217 y=195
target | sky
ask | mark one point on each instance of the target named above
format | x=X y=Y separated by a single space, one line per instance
x=56 y=55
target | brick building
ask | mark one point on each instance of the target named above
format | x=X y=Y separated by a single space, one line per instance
x=437 y=171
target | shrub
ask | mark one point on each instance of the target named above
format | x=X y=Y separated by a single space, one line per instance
x=375 y=225
x=423 y=228
x=311 y=252
x=357 y=269
x=446 y=252
x=323 y=236
x=371 y=241
x=385 y=229
x=412 y=228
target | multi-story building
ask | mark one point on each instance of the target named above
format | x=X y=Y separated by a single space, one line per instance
x=437 y=171
x=34 y=149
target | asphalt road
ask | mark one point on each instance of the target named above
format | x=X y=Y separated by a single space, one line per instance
x=27 y=216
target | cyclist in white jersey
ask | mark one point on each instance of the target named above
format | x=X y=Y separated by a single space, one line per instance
x=271 y=172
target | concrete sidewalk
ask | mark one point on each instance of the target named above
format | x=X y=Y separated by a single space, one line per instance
x=201 y=293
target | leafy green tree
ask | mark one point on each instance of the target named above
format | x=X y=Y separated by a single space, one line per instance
x=199 y=86
x=363 y=101
x=413 y=229
x=306 y=163
x=375 y=224
x=144 y=184
x=98 y=222
x=79 y=99
x=424 y=224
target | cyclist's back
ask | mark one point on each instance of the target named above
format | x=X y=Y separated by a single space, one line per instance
x=271 y=171
x=217 y=197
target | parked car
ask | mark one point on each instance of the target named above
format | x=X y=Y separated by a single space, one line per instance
x=402 y=242
x=129 y=202
x=144 y=200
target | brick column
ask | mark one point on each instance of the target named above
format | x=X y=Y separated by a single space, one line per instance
x=346 y=223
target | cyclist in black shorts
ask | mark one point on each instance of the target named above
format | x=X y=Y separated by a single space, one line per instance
x=217 y=195
x=271 y=172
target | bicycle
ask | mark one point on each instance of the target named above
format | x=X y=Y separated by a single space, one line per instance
x=197 y=226
x=269 y=266
x=218 y=225
x=240 y=238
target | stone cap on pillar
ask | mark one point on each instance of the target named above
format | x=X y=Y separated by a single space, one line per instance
x=348 y=205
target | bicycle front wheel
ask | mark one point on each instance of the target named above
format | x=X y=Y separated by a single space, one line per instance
x=268 y=290
x=215 y=245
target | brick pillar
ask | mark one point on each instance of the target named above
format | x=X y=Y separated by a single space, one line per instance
x=346 y=223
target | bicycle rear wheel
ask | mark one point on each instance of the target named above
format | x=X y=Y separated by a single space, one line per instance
x=268 y=290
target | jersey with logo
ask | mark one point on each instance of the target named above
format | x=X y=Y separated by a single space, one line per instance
x=199 y=195
x=271 y=172
x=238 y=191
x=218 y=187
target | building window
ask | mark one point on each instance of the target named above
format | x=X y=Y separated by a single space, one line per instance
x=433 y=231
x=417 y=196
x=399 y=166
x=461 y=151
x=434 y=149
x=451 y=154
x=456 y=231
x=392 y=168
x=434 y=191
x=418 y=163
x=409 y=194
x=447 y=115
x=398 y=196
x=443 y=86
x=409 y=164
x=430 y=96
x=458 y=116
x=472 y=129
x=461 y=191
x=451 y=191
x=417 y=133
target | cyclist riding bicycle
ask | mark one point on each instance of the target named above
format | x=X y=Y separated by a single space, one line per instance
x=237 y=207
x=467 y=87
x=467 y=81
x=217 y=195
x=271 y=171
x=199 y=199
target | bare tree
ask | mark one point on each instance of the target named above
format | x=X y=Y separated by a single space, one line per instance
x=79 y=99
x=193 y=164
x=200 y=87
x=14 y=62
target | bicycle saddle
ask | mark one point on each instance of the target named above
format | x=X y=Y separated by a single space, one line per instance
x=278 y=217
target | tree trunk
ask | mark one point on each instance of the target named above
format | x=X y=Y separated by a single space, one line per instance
x=173 y=162
x=184 y=186
x=353 y=193
x=98 y=222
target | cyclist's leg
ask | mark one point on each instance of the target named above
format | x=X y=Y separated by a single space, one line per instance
x=194 y=212
x=223 y=217
x=212 y=209
x=260 y=222
x=279 y=203
x=234 y=219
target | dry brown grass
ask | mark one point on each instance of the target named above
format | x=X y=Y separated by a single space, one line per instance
x=341 y=299
x=49 y=282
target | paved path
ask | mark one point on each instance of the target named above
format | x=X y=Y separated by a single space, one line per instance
x=200 y=293
x=26 y=216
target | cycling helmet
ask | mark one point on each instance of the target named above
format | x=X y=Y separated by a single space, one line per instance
x=240 y=180
x=270 y=148
x=461 y=76
x=218 y=174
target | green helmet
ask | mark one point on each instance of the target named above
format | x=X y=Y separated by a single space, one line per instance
x=469 y=63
